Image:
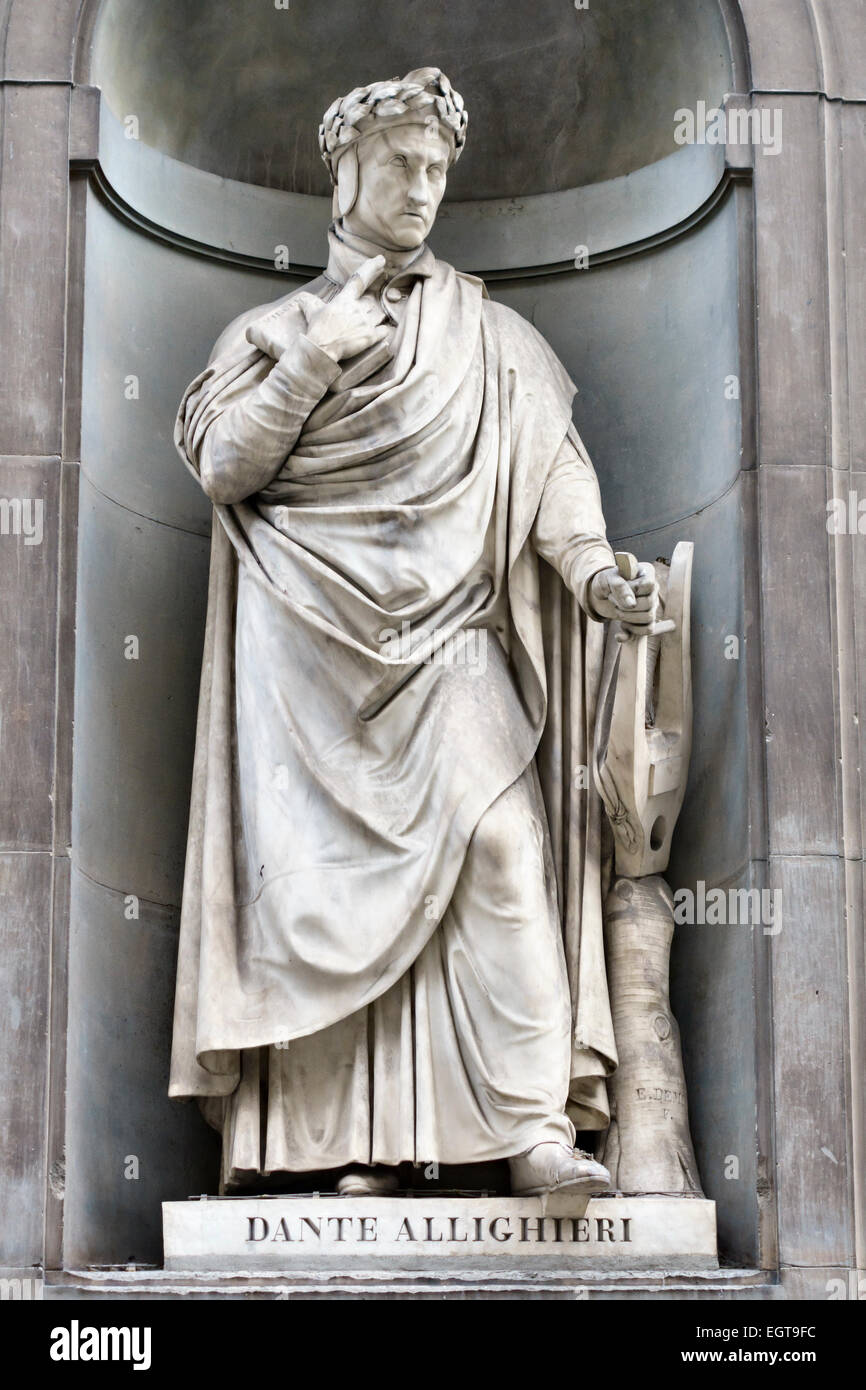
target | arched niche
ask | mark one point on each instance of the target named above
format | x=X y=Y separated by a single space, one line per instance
x=571 y=145
x=560 y=97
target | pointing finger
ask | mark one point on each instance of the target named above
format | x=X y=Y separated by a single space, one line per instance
x=358 y=284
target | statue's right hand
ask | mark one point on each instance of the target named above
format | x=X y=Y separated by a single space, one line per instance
x=275 y=331
x=343 y=327
x=352 y=321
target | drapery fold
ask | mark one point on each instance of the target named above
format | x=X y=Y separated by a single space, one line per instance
x=340 y=767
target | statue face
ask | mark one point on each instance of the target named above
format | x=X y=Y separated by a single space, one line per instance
x=401 y=180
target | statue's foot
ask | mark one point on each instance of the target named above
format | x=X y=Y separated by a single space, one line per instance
x=553 y=1167
x=368 y=1182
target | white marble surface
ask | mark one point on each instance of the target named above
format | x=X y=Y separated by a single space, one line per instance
x=252 y=1233
x=366 y=808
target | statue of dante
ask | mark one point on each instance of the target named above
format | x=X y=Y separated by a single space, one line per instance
x=391 y=940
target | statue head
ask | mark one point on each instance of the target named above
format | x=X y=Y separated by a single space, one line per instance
x=388 y=148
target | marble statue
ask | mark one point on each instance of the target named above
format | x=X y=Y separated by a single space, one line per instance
x=392 y=930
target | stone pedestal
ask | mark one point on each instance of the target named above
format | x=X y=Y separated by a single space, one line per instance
x=326 y=1232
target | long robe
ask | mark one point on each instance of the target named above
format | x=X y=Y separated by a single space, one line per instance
x=347 y=745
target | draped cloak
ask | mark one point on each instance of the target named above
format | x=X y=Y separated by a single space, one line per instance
x=340 y=767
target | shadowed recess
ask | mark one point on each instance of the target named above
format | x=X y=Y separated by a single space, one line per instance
x=558 y=97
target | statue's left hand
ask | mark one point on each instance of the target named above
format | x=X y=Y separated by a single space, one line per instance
x=632 y=602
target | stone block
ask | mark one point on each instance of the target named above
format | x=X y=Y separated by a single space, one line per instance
x=781 y=44
x=800 y=715
x=33 y=228
x=29 y=529
x=791 y=287
x=40 y=36
x=810 y=1006
x=25 y=915
x=402 y=1233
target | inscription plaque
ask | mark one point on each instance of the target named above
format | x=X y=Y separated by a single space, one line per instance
x=250 y=1233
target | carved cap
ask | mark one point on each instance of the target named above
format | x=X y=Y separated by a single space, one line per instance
x=424 y=94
